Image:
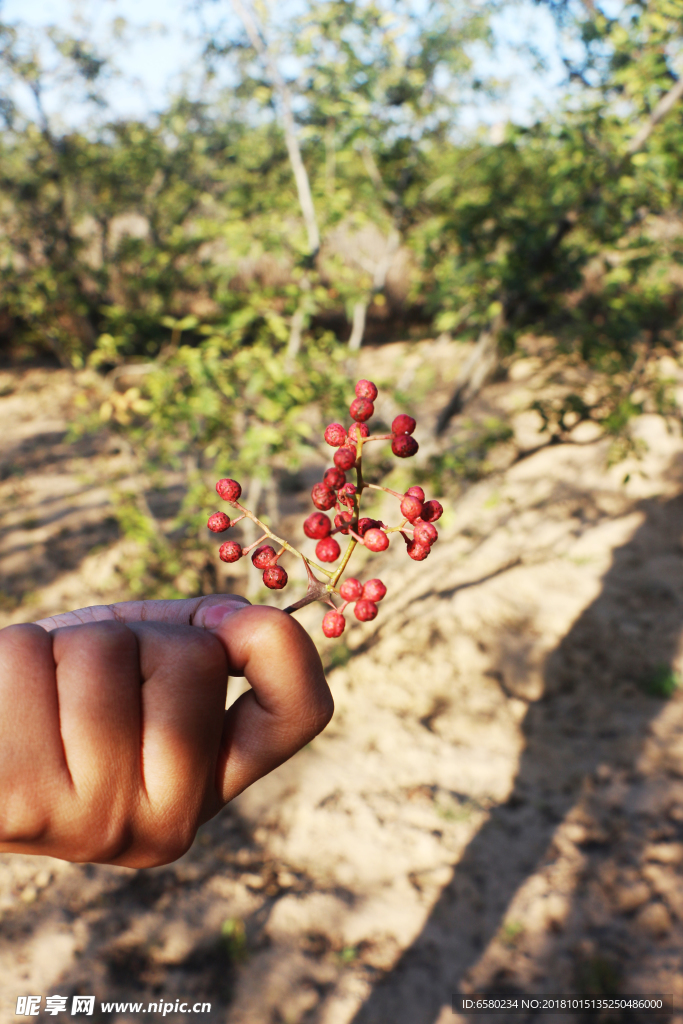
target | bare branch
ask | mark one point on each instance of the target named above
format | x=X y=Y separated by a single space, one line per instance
x=298 y=168
x=666 y=103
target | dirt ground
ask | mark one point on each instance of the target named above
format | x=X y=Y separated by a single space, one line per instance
x=497 y=805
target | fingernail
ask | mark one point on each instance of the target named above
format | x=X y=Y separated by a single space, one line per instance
x=214 y=615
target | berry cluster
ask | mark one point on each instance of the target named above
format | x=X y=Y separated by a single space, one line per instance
x=334 y=493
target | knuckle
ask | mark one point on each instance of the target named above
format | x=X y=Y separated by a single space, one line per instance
x=107 y=838
x=314 y=714
x=22 y=819
x=165 y=837
x=24 y=639
x=103 y=639
x=323 y=710
x=207 y=649
x=157 y=853
x=200 y=656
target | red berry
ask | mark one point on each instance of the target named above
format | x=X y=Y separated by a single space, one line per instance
x=345 y=458
x=403 y=424
x=418 y=551
x=367 y=524
x=335 y=435
x=334 y=478
x=275 y=577
x=218 y=522
x=231 y=551
x=327 y=550
x=425 y=533
x=365 y=611
x=323 y=497
x=317 y=526
x=361 y=409
x=351 y=589
x=346 y=494
x=431 y=511
x=366 y=389
x=358 y=430
x=374 y=590
x=376 y=540
x=342 y=523
x=411 y=507
x=416 y=492
x=263 y=556
x=228 y=490
x=404 y=446
x=333 y=624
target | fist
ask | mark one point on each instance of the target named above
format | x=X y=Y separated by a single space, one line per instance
x=114 y=740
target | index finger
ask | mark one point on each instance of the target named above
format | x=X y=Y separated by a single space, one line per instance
x=289 y=703
x=185 y=612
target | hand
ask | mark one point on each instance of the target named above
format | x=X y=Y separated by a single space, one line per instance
x=114 y=740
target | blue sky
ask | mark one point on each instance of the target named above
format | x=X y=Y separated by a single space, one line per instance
x=162 y=50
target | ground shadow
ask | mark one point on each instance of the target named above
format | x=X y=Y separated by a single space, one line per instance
x=595 y=712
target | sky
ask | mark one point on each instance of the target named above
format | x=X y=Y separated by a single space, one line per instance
x=162 y=49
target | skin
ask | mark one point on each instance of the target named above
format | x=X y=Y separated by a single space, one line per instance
x=114 y=740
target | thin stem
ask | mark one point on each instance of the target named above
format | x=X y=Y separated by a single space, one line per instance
x=285 y=544
x=398 y=529
x=378 y=487
x=344 y=562
x=245 y=551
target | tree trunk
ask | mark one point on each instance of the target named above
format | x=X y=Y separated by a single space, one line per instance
x=477 y=370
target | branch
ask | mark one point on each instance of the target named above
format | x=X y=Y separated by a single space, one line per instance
x=474 y=374
x=667 y=102
x=379 y=279
x=299 y=170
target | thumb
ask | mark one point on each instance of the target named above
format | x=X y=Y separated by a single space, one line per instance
x=289 y=701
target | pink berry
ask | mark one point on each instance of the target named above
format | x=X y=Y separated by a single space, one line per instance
x=323 y=497
x=418 y=551
x=333 y=624
x=361 y=409
x=335 y=435
x=416 y=492
x=411 y=507
x=404 y=446
x=228 y=490
x=376 y=540
x=231 y=551
x=365 y=524
x=403 y=424
x=374 y=590
x=431 y=511
x=346 y=494
x=263 y=556
x=366 y=389
x=351 y=589
x=365 y=611
x=344 y=458
x=358 y=430
x=218 y=522
x=275 y=577
x=317 y=526
x=334 y=478
x=425 y=533
x=327 y=550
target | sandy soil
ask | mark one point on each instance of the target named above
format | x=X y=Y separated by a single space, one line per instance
x=497 y=805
